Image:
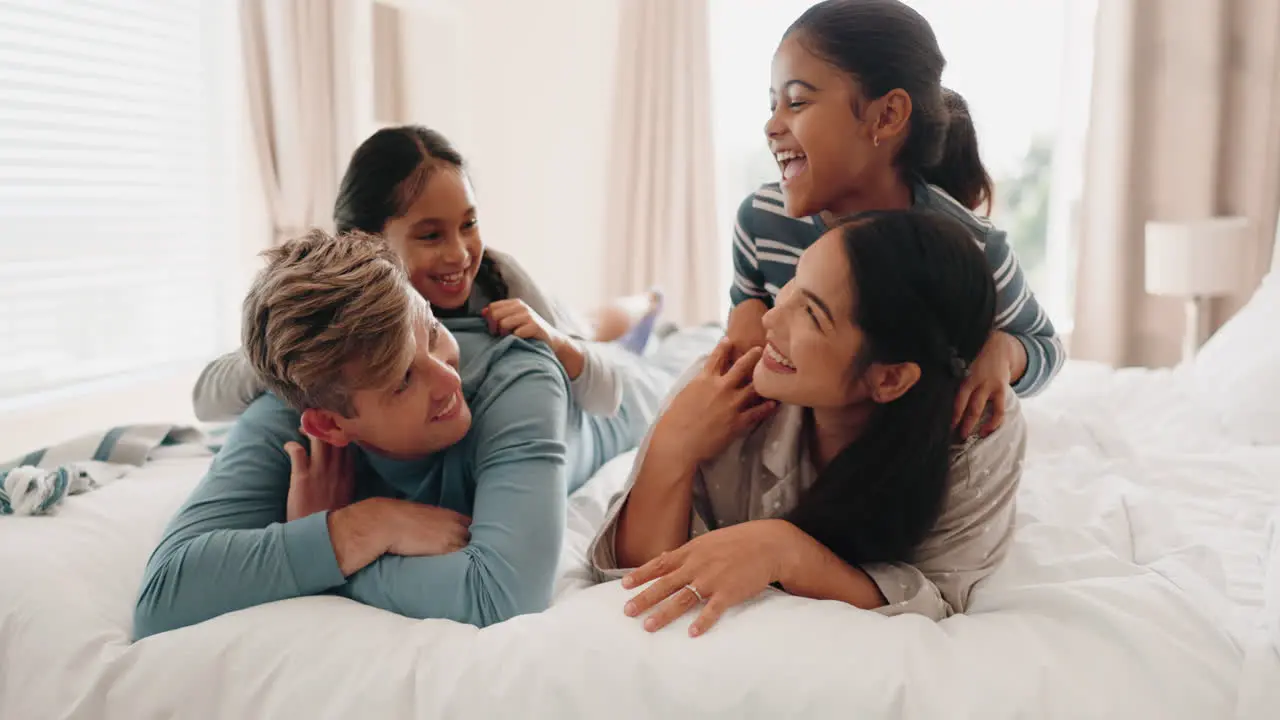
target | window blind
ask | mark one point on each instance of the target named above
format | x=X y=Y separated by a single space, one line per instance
x=108 y=260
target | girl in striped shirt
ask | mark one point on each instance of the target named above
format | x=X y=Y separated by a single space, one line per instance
x=860 y=122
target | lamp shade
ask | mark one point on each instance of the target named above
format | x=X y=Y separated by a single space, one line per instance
x=1202 y=257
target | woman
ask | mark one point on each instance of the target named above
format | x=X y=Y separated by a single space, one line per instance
x=860 y=121
x=853 y=489
x=409 y=185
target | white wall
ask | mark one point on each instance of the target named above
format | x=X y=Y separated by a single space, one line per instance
x=161 y=396
x=525 y=90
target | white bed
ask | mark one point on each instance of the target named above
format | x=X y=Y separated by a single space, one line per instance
x=1135 y=590
x=1138 y=587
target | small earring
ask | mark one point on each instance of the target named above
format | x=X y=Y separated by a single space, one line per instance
x=875 y=140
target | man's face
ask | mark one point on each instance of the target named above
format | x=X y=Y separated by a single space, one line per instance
x=419 y=413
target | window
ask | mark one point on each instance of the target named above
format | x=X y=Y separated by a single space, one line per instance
x=1027 y=80
x=112 y=254
x=744 y=34
x=1024 y=68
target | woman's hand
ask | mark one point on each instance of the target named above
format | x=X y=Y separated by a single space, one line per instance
x=323 y=480
x=993 y=371
x=716 y=404
x=715 y=407
x=726 y=567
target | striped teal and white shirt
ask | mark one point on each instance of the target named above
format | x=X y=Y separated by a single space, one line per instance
x=767 y=244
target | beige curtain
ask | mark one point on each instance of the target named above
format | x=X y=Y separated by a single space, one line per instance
x=294 y=77
x=389 y=66
x=661 y=227
x=1184 y=125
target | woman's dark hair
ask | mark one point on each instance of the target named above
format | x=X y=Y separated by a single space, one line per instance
x=886 y=45
x=923 y=294
x=387 y=173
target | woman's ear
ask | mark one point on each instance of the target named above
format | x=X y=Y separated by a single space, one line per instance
x=890 y=382
x=325 y=425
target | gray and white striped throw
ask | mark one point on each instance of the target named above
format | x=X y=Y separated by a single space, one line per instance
x=37 y=482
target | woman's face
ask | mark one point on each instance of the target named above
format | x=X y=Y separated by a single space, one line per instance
x=438 y=239
x=809 y=359
x=822 y=148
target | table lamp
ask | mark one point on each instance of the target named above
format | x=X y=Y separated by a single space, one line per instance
x=1196 y=260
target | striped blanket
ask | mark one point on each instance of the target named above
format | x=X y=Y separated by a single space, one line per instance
x=37 y=482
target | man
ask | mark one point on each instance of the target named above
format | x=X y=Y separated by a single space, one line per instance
x=403 y=449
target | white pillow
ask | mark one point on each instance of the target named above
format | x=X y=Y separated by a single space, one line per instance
x=1237 y=372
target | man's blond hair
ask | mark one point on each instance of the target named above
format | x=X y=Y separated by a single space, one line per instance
x=329 y=316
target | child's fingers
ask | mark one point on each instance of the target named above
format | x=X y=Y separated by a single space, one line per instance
x=528 y=331
x=973 y=415
x=509 y=319
x=962 y=404
x=511 y=323
x=997 y=414
x=504 y=308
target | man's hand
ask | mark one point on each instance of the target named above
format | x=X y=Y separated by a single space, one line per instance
x=363 y=532
x=417 y=529
x=321 y=481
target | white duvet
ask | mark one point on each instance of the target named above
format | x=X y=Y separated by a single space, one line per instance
x=1135 y=589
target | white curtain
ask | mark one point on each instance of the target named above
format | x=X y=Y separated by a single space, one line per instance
x=1184 y=124
x=296 y=60
x=661 y=226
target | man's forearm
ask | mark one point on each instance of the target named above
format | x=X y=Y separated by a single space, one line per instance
x=655 y=518
x=358 y=534
x=196 y=575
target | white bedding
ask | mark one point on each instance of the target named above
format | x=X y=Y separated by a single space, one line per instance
x=1135 y=589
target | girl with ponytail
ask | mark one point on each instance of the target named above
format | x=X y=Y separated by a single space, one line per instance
x=861 y=122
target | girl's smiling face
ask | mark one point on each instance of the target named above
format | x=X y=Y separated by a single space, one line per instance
x=438 y=238
x=822 y=147
x=836 y=147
